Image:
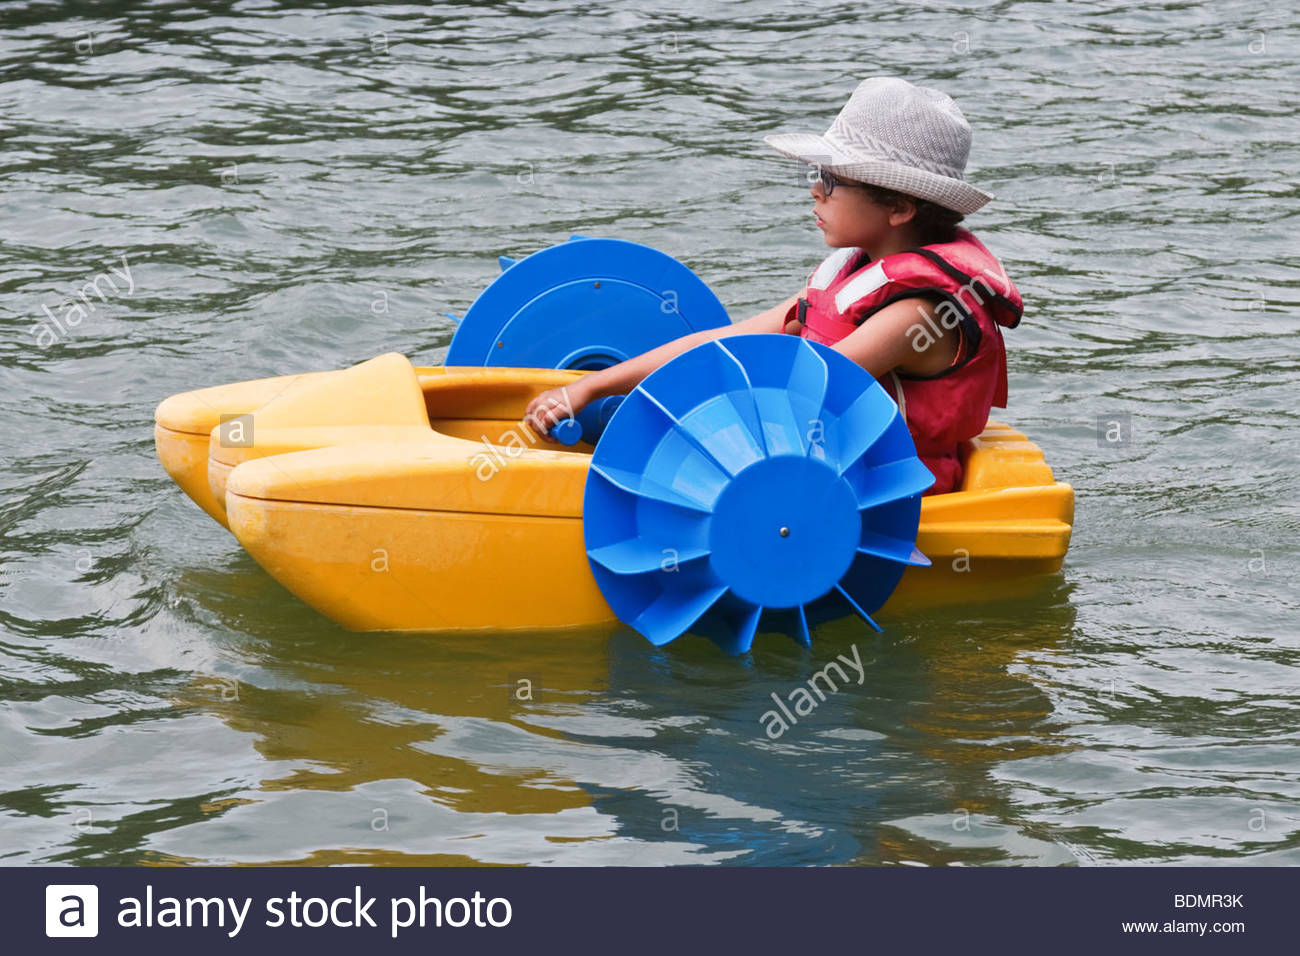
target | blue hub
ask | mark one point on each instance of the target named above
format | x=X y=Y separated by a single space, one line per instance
x=784 y=531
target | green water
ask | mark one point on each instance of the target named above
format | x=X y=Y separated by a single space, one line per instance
x=303 y=187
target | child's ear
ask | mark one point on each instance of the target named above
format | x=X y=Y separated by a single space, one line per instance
x=903 y=212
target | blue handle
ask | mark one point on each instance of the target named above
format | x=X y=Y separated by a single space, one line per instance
x=588 y=424
x=567 y=431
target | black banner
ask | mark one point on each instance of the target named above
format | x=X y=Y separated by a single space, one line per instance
x=200 y=910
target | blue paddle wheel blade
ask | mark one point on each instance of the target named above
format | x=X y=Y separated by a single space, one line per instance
x=742 y=398
x=894 y=480
x=669 y=617
x=679 y=464
x=789 y=397
x=892 y=549
x=763 y=473
x=869 y=582
x=714 y=432
x=731 y=624
x=784 y=432
x=863 y=423
x=858 y=608
x=642 y=487
x=803 y=636
x=633 y=556
x=743 y=633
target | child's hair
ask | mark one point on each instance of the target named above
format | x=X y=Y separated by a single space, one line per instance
x=934 y=223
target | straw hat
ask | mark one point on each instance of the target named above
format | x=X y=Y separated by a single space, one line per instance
x=912 y=139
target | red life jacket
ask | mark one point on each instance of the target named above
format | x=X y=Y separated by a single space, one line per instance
x=974 y=293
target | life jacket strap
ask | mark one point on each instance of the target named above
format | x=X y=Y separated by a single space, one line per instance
x=899 y=397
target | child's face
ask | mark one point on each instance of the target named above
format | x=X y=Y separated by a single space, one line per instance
x=848 y=217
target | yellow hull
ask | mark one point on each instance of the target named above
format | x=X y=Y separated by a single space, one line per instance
x=393 y=498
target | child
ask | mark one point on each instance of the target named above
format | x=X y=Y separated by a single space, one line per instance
x=888 y=196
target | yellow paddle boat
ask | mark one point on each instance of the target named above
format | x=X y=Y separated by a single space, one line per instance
x=391 y=497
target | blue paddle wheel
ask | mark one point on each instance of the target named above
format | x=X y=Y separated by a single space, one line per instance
x=757 y=479
x=583 y=304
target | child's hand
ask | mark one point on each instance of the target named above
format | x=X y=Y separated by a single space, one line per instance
x=553 y=405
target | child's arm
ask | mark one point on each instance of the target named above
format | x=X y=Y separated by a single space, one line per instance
x=559 y=403
x=902 y=336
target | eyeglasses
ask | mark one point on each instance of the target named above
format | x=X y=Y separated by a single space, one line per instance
x=828 y=179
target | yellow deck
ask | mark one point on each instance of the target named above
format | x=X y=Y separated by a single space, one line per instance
x=397 y=498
